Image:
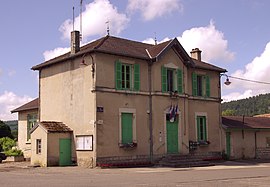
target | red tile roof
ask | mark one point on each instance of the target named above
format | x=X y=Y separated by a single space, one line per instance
x=207 y=66
x=123 y=47
x=238 y=122
x=34 y=104
x=53 y=127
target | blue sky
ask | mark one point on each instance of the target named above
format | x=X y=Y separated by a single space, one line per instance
x=233 y=34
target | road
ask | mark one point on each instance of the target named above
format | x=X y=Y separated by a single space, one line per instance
x=226 y=174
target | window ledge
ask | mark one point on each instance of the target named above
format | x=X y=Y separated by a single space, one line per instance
x=203 y=143
x=127 y=145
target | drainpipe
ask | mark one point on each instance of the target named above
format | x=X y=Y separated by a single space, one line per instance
x=150 y=110
x=255 y=137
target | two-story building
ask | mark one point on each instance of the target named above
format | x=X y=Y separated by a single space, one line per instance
x=116 y=99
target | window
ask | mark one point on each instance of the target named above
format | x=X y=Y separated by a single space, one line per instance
x=31 y=121
x=200 y=85
x=127 y=76
x=38 y=148
x=172 y=80
x=201 y=128
x=84 y=143
x=127 y=126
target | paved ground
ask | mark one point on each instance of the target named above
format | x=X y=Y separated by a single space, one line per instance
x=225 y=174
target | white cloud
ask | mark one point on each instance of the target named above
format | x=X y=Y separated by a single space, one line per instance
x=152 y=40
x=151 y=9
x=10 y=101
x=257 y=70
x=210 y=40
x=1 y=72
x=49 y=54
x=94 y=17
x=237 y=95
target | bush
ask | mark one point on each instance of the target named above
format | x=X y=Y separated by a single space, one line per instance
x=7 y=145
x=14 y=152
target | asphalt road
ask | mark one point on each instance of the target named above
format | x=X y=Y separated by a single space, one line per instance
x=226 y=174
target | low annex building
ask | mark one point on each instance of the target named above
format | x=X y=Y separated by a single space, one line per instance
x=247 y=137
x=27 y=118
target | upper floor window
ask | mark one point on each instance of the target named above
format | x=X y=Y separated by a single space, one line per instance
x=127 y=76
x=172 y=80
x=31 y=121
x=200 y=85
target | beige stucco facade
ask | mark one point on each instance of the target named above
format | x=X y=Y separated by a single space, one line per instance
x=72 y=92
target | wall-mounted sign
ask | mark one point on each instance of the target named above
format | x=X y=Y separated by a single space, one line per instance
x=100 y=109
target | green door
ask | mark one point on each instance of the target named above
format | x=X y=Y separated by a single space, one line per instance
x=172 y=136
x=228 y=144
x=127 y=129
x=64 y=152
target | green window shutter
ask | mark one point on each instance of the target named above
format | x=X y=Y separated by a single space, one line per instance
x=204 y=129
x=118 y=75
x=136 y=77
x=164 y=79
x=198 y=128
x=207 y=86
x=179 y=81
x=127 y=129
x=28 y=127
x=194 y=84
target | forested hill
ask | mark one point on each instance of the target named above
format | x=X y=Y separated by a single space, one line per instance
x=255 y=105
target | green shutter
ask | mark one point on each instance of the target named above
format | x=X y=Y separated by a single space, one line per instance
x=127 y=131
x=204 y=129
x=194 y=84
x=179 y=81
x=28 y=127
x=136 y=77
x=207 y=86
x=164 y=79
x=118 y=75
x=198 y=128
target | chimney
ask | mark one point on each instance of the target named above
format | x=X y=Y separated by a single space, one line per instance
x=196 y=54
x=75 y=42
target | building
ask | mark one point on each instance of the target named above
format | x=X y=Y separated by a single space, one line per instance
x=122 y=99
x=246 y=137
x=27 y=118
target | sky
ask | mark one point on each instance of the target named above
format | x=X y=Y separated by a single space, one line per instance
x=232 y=34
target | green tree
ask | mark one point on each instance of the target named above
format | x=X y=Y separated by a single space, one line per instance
x=5 y=130
x=228 y=112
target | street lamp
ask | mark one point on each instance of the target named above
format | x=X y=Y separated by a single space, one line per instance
x=227 y=82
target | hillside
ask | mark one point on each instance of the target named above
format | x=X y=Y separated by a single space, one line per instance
x=251 y=106
x=13 y=127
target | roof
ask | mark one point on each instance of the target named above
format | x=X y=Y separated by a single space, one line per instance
x=240 y=122
x=207 y=66
x=124 y=47
x=52 y=127
x=34 y=104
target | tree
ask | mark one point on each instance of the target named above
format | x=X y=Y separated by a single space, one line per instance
x=5 y=130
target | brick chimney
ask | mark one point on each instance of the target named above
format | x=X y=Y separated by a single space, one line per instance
x=196 y=54
x=75 y=42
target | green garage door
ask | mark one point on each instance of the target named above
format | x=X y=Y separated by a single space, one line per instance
x=64 y=152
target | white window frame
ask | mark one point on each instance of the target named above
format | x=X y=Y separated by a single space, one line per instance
x=133 y=112
x=84 y=142
x=38 y=146
x=206 y=124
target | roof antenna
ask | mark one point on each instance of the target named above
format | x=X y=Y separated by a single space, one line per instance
x=108 y=27
x=73 y=17
x=81 y=20
x=155 y=38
